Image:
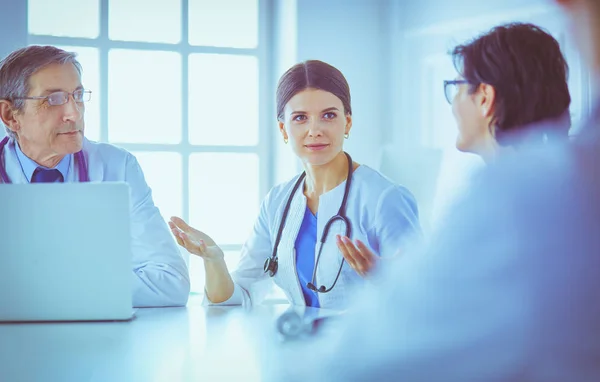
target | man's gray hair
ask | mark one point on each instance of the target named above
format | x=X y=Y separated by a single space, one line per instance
x=17 y=68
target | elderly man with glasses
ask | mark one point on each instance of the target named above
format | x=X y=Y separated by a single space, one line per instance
x=42 y=105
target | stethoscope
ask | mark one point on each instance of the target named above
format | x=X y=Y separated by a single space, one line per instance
x=271 y=264
x=79 y=160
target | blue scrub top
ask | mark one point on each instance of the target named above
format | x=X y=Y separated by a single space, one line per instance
x=305 y=256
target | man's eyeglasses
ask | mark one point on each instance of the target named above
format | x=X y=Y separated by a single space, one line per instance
x=451 y=88
x=61 y=98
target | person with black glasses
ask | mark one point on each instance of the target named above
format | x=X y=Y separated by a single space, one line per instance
x=511 y=90
x=319 y=234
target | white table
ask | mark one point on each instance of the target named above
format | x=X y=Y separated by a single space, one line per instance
x=194 y=343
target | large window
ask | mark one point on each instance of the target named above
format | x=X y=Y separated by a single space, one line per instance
x=180 y=84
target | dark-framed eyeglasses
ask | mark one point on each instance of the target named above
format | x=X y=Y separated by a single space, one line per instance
x=61 y=98
x=451 y=88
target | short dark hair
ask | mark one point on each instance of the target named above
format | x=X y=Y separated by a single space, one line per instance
x=528 y=71
x=312 y=74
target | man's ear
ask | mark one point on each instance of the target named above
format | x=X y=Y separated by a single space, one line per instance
x=487 y=99
x=8 y=114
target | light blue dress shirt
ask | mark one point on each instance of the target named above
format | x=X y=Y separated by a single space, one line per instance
x=29 y=166
x=305 y=256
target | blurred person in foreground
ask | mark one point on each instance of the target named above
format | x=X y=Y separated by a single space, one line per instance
x=507 y=290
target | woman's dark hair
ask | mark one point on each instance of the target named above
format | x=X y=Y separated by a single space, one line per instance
x=528 y=71
x=312 y=74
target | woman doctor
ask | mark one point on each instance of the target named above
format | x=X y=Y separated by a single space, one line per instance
x=319 y=234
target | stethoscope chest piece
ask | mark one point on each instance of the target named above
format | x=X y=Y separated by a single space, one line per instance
x=271 y=265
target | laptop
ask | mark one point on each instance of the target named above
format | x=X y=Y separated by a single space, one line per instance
x=65 y=252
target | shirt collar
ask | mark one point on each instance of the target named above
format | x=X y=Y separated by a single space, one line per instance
x=29 y=166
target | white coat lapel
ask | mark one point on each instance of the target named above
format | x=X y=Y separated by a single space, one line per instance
x=287 y=277
x=73 y=175
x=95 y=162
x=331 y=257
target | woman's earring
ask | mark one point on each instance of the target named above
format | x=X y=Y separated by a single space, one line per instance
x=285 y=140
x=346 y=135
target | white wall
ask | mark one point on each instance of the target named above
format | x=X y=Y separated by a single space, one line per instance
x=13 y=27
x=418 y=14
x=13 y=31
x=285 y=42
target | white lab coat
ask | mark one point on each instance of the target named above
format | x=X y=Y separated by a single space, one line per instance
x=383 y=215
x=159 y=272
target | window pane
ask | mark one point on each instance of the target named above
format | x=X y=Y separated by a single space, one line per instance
x=90 y=62
x=196 y=269
x=225 y=23
x=144 y=96
x=145 y=20
x=163 y=174
x=56 y=19
x=224 y=195
x=223 y=99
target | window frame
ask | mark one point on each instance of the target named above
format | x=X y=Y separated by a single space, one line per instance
x=263 y=53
